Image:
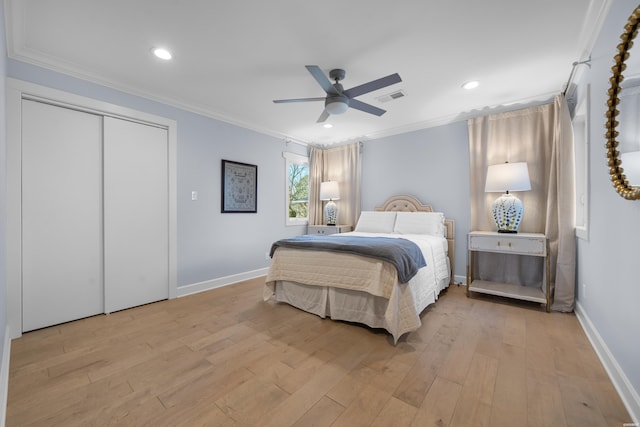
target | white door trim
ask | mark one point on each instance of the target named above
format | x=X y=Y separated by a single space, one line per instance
x=18 y=90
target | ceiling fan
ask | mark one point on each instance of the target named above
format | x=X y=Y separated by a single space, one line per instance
x=339 y=100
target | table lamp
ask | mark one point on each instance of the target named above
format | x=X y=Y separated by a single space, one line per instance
x=329 y=191
x=507 y=210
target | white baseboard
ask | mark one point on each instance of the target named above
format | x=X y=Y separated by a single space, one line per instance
x=461 y=280
x=220 y=282
x=4 y=376
x=625 y=389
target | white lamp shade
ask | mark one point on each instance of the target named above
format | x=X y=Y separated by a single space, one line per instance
x=507 y=177
x=329 y=190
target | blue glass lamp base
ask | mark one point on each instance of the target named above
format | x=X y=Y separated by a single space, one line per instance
x=507 y=211
x=331 y=212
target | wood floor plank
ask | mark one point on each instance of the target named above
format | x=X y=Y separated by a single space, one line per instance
x=476 y=397
x=438 y=405
x=251 y=400
x=178 y=366
x=364 y=409
x=539 y=351
x=490 y=318
x=609 y=403
x=589 y=360
x=328 y=338
x=391 y=376
x=322 y=414
x=418 y=379
x=580 y=405
x=348 y=389
x=203 y=415
x=312 y=365
x=131 y=409
x=101 y=364
x=201 y=411
x=395 y=413
x=515 y=328
x=69 y=407
x=187 y=394
x=227 y=358
x=544 y=400
x=509 y=402
x=28 y=391
x=293 y=408
x=457 y=362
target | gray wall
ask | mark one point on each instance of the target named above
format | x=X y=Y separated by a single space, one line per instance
x=608 y=283
x=430 y=164
x=211 y=245
x=3 y=183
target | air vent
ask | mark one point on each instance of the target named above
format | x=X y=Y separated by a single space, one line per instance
x=391 y=96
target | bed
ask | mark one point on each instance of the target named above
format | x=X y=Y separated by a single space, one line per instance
x=361 y=288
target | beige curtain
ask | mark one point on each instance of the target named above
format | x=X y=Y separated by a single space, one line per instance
x=542 y=136
x=316 y=176
x=341 y=164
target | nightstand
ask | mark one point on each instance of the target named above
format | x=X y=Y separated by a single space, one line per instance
x=328 y=229
x=528 y=244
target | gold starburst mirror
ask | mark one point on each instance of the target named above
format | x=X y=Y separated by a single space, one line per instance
x=623 y=141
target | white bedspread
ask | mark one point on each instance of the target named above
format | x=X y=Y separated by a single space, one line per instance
x=404 y=302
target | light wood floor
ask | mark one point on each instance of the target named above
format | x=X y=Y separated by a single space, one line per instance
x=226 y=358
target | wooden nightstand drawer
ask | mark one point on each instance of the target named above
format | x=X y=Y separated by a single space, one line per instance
x=524 y=244
x=328 y=229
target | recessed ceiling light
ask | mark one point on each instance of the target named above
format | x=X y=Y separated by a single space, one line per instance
x=161 y=53
x=471 y=84
x=328 y=125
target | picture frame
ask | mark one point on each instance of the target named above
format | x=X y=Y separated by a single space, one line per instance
x=239 y=187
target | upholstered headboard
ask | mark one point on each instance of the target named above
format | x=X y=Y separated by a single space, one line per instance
x=405 y=203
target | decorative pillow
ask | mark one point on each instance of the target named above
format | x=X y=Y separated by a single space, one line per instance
x=376 y=222
x=431 y=223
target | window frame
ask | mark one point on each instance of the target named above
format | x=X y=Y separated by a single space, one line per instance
x=290 y=159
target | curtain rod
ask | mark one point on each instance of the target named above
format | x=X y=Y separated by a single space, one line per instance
x=573 y=71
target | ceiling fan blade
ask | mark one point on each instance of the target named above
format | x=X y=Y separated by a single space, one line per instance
x=321 y=78
x=324 y=116
x=373 y=85
x=284 y=101
x=367 y=108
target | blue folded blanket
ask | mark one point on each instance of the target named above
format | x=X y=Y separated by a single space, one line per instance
x=405 y=255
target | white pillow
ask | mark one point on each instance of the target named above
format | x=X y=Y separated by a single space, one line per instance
x=376 y=222
x=431 y=223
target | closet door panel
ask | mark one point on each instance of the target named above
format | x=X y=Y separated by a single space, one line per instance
x=136 y=214
x=61 y=215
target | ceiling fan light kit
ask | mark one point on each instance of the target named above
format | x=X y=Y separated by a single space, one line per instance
x=339 y=100
x=336 y=104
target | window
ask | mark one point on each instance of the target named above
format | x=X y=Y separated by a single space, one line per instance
x=297 y=195
x=581 y=146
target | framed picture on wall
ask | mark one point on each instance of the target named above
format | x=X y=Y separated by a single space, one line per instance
x=239 y=187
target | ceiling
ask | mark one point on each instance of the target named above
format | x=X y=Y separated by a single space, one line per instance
x=232 y=58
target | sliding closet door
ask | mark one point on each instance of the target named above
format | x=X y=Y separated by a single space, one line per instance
x=136 y=214
x=61 y=215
